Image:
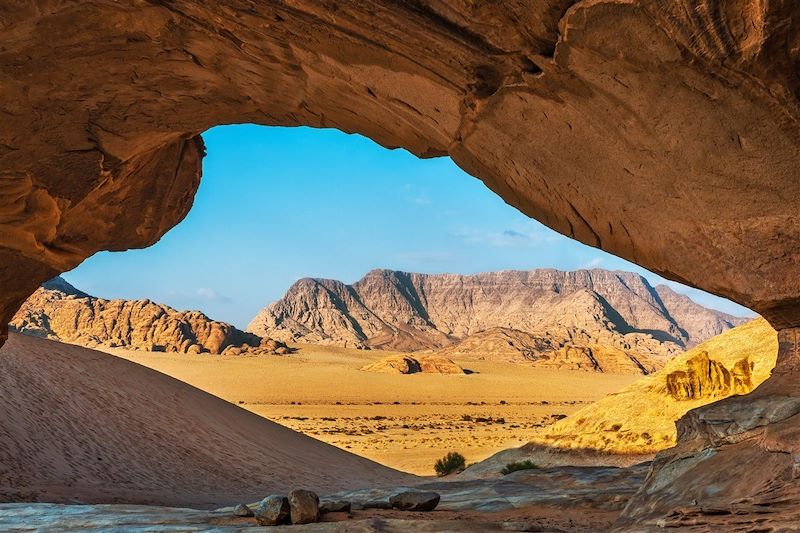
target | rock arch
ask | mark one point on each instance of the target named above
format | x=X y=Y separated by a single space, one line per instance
x=665 y=132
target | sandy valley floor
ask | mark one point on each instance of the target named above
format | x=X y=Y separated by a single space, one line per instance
x=403 y=421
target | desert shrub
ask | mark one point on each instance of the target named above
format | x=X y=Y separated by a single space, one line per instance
x=518 y=465
x=450 y=463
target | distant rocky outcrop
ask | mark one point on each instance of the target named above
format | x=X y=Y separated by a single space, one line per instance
x=564 y=349
x=59 y=311
x=699 y=323
x=409 y=312
x=406 y=364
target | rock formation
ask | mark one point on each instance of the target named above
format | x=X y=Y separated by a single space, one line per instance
x=405 y=364
x=640 y=419
x=564 y=349
x=707 y=378
x=59 y=311
x=407 y=311
x=663 y=132
x=699 y=323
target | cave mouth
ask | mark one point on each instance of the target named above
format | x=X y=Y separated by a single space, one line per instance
x=664 y=132
x=277 y=205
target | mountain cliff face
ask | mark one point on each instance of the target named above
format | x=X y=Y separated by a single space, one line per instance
x=407 y=311
x=698 y=322
x=59 y=311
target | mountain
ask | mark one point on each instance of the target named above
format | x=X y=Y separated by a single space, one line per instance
x=59 y=311
x=409 y=311
x=698 y=322
x=641 y=418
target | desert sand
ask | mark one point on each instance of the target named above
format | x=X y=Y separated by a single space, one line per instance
x=77 y=425
x=403 y=421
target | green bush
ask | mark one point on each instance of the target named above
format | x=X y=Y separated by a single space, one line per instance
x=450 y=463
x=521 y=465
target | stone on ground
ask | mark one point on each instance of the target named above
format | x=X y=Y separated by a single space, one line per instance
x=335 y=506
x=273 y=510
x=415 y=501
x=304 y=506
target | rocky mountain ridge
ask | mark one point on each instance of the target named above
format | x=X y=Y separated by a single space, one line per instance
x=409 y=311
x=59 y=311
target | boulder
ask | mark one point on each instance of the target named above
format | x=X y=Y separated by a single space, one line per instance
x=415 y=501
x=304 y=506
x=242 y=510
x=194 y=349
x=273 y=510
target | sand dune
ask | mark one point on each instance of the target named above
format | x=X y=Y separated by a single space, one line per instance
x=81 y=425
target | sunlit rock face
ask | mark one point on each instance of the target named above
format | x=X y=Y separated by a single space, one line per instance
x=665 y=132
x=706 y=378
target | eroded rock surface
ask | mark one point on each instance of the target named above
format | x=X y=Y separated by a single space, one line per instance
x=707 y=378
x=104 y=104
x=408 y=311
x=735 y=461
x=580 y=500
x=59 y=311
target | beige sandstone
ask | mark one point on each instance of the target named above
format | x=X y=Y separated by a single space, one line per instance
x=640 y=419
x=563 y=349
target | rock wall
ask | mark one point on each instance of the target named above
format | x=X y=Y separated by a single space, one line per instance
x=565 y=348
x=640 y=419
x=574 y=111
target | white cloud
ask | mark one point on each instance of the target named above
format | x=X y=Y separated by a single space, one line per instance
x=593 y=262
x=208 y=294
x=505 y=238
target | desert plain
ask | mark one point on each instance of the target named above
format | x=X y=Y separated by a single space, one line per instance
x=404 y=421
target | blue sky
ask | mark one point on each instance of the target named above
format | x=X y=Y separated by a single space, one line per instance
x=279 y=204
